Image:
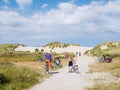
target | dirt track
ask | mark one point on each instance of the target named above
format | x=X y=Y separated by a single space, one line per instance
x=62 y=80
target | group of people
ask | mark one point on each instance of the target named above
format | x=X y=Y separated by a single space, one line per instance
x=49 y=61
x=105 y=58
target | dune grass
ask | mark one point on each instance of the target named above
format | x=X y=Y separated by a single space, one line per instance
x=102 y=86
x=18 y=77
x=18 y=58
x=113 y=68
x=98 y=67
x=113 y=49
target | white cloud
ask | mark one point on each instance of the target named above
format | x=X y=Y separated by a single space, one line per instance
x=44 y=6
x=23 y=3
x=68 y=20
x=11 y=18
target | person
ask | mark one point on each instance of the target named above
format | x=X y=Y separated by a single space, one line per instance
x=48 y=56
x=79 y=53
x=70 y=63
x=76 y=53
x=47 y=66
x=109 y=60
x=57 y=62
x=104 y=57
x=48 y=60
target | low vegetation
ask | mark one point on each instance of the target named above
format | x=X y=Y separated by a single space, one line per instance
x=18 y=58
x=14 y=77
x=20 y=70
x=113 y=67
x=102 y=86
x=112 y=49
x=58 y=44
x=8 y=48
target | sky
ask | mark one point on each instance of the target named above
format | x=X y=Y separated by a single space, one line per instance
x=38 y=22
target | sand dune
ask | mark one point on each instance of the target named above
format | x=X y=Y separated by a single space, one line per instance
x=74 y=49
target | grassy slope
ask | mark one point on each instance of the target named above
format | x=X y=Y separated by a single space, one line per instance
x=8 y=48
x=113 y=68
x=24 y=71
x=15 y=75
x=112 y=50
x=18 y=77
x=5 y=47
x=60 y=45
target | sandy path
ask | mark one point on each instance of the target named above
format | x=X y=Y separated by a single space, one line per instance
x=68 y=81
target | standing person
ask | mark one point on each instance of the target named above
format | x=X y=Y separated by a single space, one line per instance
x=76 y=53
x=70 y=65
x=104 y=58
x=48 y=60
x=79 y=53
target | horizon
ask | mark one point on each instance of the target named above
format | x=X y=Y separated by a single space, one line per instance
x=56 y=41
x=38 y=22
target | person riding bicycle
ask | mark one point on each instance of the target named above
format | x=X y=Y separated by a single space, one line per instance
x=57 y=62
x=47 y=66
x=48 y=60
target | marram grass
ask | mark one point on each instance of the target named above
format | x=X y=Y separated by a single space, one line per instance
x=103 y=86
x=18 y=78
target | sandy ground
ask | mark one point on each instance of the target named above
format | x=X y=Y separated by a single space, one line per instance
x=62 y=80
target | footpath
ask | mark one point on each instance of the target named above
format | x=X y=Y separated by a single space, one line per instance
x=63 y=80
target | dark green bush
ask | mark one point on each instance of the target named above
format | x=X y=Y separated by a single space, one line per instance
x=3 y=79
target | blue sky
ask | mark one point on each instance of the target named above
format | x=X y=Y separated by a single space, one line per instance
x=38 y=22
